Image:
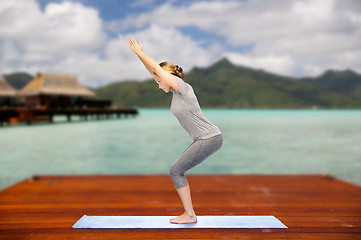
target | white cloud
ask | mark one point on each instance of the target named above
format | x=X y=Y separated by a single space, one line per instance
x=62 y=29
x=277 y=64
x=68 y=37
x=45 y=38
x=301 y=37
x=119 y=63
x=162 y=44
x=292 y=33
x=169 y=44
x=8 y=51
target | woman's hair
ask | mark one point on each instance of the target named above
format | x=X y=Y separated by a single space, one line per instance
x=173 y=69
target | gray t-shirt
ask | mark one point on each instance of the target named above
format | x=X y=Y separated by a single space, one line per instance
x=186 y=109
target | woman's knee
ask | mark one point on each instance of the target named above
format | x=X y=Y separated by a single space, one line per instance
x=173 y=170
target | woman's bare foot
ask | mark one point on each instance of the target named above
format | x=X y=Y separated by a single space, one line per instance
x=184 y=218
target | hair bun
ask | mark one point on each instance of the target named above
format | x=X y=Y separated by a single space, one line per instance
x=178 y=68
x=172 y=69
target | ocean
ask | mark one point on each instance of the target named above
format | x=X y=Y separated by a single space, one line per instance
x=255 y=142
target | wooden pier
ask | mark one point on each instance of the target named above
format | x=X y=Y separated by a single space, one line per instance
x=312 y=206
x=27 y=115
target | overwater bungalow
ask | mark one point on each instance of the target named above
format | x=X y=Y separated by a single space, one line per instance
x=50 y=90
x=7 y=93
x=49 y=95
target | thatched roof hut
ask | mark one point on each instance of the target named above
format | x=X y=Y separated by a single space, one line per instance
x=6 y=90
x=55 y=84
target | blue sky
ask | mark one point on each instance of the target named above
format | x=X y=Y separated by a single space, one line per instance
x=115 y=9
x=89 y=37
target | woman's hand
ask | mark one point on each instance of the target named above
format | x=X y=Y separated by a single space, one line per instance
x=136 y=47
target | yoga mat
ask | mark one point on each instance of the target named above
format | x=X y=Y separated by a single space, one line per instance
x=163 y=222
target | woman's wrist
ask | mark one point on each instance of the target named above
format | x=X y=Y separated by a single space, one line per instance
x=138 y=53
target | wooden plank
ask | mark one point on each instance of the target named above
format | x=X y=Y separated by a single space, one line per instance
x=312 y=206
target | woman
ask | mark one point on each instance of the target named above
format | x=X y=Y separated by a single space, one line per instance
x=207 y=138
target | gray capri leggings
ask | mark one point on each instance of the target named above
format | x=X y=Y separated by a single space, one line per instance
x=196 y=153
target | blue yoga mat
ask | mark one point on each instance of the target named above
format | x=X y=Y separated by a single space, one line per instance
x=163 y=222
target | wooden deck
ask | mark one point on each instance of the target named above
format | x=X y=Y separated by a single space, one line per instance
x=312 y=206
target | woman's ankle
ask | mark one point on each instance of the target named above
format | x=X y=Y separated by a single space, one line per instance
x=191 y=213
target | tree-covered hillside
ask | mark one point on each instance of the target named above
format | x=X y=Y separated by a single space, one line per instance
x=225 y=85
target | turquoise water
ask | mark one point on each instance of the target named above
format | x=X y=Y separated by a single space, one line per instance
x=255 y=142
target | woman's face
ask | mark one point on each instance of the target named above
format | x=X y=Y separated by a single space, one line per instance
x=162 y=85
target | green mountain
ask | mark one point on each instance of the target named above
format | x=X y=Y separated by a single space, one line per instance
x=224 y=85
x=344 y=82
x=135 y=94
x=18 y=80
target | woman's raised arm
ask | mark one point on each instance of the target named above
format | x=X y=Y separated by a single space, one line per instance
x=138 y=47
x=152 y=66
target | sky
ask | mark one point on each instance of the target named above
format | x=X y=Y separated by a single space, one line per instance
x=89 y=38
